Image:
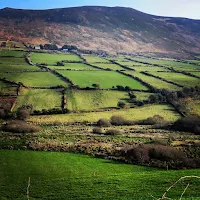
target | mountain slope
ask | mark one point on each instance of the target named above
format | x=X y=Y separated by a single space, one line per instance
x=113 y=29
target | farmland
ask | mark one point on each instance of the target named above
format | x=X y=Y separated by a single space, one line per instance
x=106 y=79
x=6 y=88
x=39 y=99
x=94 y=59
x=46 y=79
x=73 y=66
x=109 y=66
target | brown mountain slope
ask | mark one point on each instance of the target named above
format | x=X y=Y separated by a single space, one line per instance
x=101 y=28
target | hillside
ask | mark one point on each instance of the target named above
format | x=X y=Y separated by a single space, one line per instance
x=113 y=29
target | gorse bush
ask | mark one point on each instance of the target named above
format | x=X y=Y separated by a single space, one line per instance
x=103 y=123
x=117 y=120
x=97 y=130
x=20 y=126
x=113 y=132
x=156 y=119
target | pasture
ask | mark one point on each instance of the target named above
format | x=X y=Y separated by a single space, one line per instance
x=35 y=79
x=139 y=113
x=39 y=99
x=106 y=79
x=11 y=53
x=52 y=59
x=95 y=59
x=159 y=84
x=6 y=88
x=109 y=66
x=71 y=176
x=80 y=100
x=12 y=61
x=73 y=66
x=179 y=78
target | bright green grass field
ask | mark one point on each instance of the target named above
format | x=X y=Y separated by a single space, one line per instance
x=35 y=79
x=109 y=66
x=17 y=68
x=39 y=99
x=67 y=176
x=11 y=53
x=157 y=83
x=179 y=78
x=12 y=61
x=140 y=96
x=73 y=66
x=195 y=73
x=95 y=59
x=132 y=114
x=132 y=64
x=7 y=88
x=106 y=79
x=150 y=69
x=176 y=65
x=94 y=100
x=52 y=59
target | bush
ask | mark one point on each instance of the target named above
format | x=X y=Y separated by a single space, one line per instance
x=117 y=120
x=23 y=114
x=19 y=126
x=2 y=113
x=113 y=132
x=189 y=124
x=121 y=104
x=97 y=130
x=103 y=123
x=156 y=119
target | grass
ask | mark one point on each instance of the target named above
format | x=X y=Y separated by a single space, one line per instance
x=35 y=79
x=109 y=66
x=95 y=59
x=150 y=69
x=39 y=99
x=12 y=61
x=106 y=79
x=139 y=113
x=7 y=88
x=70 y=176
x=140 y=96
x=179 y=78
x=11 y=53
x=79 y=100
x=73 y=66
x=159 y=84
x=170 y=63
x=17 y=68
x=52 y=59
x=195 y=73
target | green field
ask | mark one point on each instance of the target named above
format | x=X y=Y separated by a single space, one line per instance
x=12 y=61
x=195 y=73
x=73 y=66
x=179 y=78
x=132 y=114
x=109 y=66
x=80 y=100
x=64 y=176
x=35 y=79
x=52 y=59
x=106 y=79
x=7 y=88
x=132 y=64
x=17 y=68
x=10 y=53
x=170 y=63
x=140 y=96
x=39 y=99
x=95 y=59
x=159 y=84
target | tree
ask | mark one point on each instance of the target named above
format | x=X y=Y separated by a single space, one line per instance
x=96 y=86
x=121 y=104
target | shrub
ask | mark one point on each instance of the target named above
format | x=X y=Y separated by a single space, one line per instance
x=2 y=113
x=23 y=114
x=190 y=124
x=121 y=104
x=97 y=130
x=113 y=132
x=103 y=123
x=156 y=119
x=117 y=120
x=19 y=126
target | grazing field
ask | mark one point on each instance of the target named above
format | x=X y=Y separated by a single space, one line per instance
x=11 y=53
x=12 y=61
x=132 y=64
x=71 y=176
x=17 y=68
x=6 y=88
x=179 y=78
x=170 y=63
x=73 y=66
x=159 y=84
x=132 y=114
x=52 y=59
x=95 y=59
x=150 y=69
x=80 y=100
x=106 y=79
x=109 y=66
x=195 y=73
x=140 y=96
x=35 y=79
x=39 y=99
